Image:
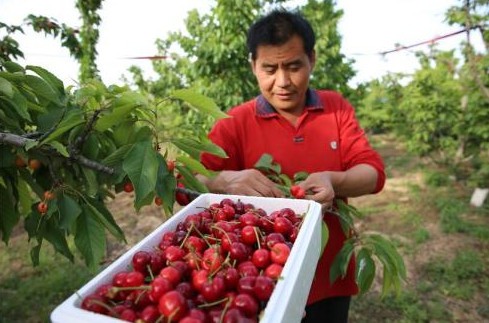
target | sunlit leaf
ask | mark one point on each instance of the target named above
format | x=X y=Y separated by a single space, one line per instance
x=199 y=102
x=194 y=165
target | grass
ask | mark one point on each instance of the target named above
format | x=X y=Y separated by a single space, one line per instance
x=444 y=284
x=29 y=294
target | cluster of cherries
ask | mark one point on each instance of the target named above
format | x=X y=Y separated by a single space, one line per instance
x=220 y=264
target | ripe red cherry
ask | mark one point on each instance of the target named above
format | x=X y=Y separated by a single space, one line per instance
x=194 y=243
x=247 y=304
x=170 y=164
x=263 y=288
x=212 y=259
x=279 y=253
x=238 y=251
x=133 y=279
x=261 y=258
x=199 y=278
x=249 y=218
x=158 y=201
x=283 y=225
x=128 y=187
x=273 y=271
x=159 y=287
x=231 y=277
x=297 y=192
x=93 y=303
x=156 y=262
x=140 y=261
x=227 y=239
x=172 y=274
x=248 y=234
x=246 y=284
x=181 y=197
x=174 y=253
x=173 y=305
x=273 y=238
x=149 y=314
x=42 y=207
x=214 y=289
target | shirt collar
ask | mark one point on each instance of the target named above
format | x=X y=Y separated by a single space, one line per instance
x=265 y=109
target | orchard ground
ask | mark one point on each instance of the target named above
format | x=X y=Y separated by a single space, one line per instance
x=444 y=241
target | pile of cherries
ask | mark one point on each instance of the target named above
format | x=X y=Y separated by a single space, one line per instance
x=220 y=264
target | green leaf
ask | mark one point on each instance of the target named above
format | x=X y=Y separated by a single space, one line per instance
x=25 y=196
x=117 y=156
x=99 y=211
x=324 y=236
x=300 y=176
x=199 y=102
x=72 y=119
x=141 y=165
x=341 y=261
x=365 y=270
x=6 y=88
x=165 y=185
x=69 y=210
x=34 y=253
x=388 y=254
x=42 y=89
x=266 y=164
x=13 y=67
x=194 y=147
x=9 y=217
x=190 y=181
x=121 y=107
x=57 y=238
x=92 y=185
x=50 y=78
x=90 y=237
x=285 y=180
x=194 y=165
x=346 y=220
x=59 y=147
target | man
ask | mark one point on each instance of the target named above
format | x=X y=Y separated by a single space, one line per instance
x=303 y=130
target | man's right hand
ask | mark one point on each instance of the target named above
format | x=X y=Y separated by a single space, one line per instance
x=244 y=182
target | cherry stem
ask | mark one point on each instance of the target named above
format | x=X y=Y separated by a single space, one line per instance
x=118 y=289
x=107 y=307
x=203 y=237
x=213 y=303
x=257 y=237
x=150 y=272
x=187 y=235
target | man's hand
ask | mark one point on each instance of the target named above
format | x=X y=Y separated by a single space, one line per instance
x=319 y=188
x=245 y=182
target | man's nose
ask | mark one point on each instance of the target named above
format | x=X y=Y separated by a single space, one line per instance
x=283 y=78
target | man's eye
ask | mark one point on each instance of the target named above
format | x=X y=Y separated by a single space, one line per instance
x=295 y=67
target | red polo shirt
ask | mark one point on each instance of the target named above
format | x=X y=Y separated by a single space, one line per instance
x=327 y=136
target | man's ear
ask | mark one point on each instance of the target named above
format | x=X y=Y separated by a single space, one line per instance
x=253 y=65
x=312 y=59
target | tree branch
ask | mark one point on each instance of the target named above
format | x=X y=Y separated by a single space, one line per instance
x=21 y=141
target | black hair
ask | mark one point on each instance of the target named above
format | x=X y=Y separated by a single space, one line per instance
x=277 y=27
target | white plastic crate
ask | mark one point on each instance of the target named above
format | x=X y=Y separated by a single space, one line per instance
x=289 y=297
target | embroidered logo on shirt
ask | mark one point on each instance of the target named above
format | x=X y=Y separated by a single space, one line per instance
x=298 y=139
x=333 y=145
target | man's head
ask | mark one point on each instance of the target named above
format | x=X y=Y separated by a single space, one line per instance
x=281 y=45
x=278 y=27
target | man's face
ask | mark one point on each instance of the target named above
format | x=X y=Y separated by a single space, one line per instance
x=283 y=74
